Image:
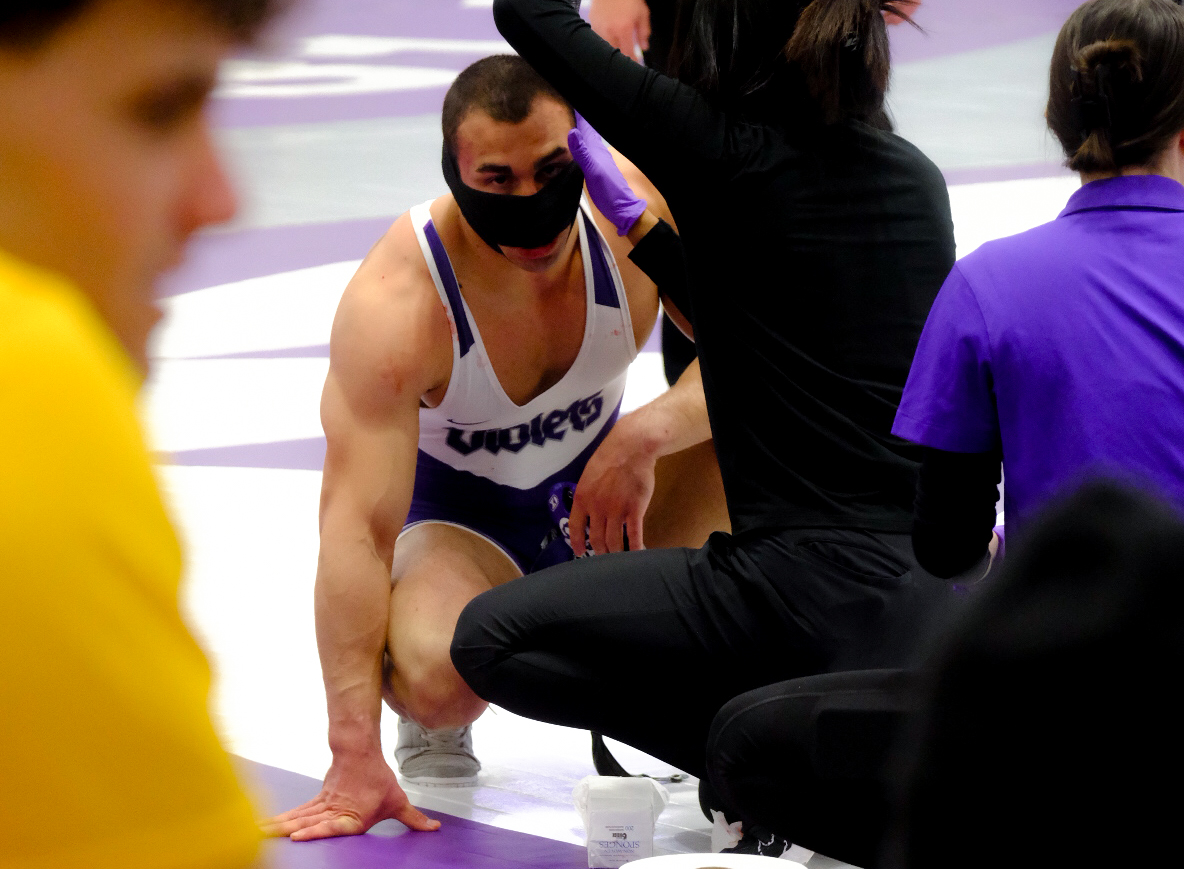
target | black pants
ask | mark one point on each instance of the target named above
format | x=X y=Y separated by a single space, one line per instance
x=808 y=758
x=646 y=647
x=678 y=351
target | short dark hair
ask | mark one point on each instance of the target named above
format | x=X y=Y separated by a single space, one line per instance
x=1116 y=84
x=26 y=24
x=504 y=86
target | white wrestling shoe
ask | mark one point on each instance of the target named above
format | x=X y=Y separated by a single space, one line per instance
x=732 y=839
x=439 y=758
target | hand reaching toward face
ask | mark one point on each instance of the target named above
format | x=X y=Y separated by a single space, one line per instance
x=608 y=188
x=624 y=24
x=909 y=7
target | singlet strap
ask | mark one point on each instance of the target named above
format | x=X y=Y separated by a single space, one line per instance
x=464 y=330
x=604 y=287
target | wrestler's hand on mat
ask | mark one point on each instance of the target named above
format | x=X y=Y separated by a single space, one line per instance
x=624 y=24
x=614 y=492
x=356 y=795
x=606 y=185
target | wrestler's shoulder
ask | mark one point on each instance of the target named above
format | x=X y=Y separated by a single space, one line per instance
x=391 y=302
x=397 y=254
x=394 y=272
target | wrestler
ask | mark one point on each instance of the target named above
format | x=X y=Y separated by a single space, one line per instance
x=477 y=365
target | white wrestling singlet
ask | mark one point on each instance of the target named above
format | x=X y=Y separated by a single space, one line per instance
x=477 y=428
x=491 y=466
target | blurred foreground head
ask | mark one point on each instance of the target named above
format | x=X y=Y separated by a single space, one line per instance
x=108 y=162
x=1050 y=731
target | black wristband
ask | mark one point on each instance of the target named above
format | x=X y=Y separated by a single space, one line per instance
x=659 y=254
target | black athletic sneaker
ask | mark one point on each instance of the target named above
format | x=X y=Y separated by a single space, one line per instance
x=760 y=842
x=606 y=764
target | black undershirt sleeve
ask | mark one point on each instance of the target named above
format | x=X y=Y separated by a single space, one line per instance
x=955 y=509
x=659 y=254
x=666 y=128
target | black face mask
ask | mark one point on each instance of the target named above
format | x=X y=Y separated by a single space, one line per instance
x=518 y=221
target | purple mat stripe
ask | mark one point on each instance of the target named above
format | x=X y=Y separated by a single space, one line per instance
x=951 y=27
x=263 y=112
x=306 y=454
x=439 y=18
x=445 y=19
x=958 y=26
x=1004 y=173
x=458 y=844
x=221 y=257
x=653 y=344
x=313 y=351
x=1016 y=172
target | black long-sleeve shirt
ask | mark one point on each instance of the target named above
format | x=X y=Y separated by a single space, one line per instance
x=955 y=510
x=814 y=255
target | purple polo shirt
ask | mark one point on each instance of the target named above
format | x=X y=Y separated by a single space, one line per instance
x=1065 y=346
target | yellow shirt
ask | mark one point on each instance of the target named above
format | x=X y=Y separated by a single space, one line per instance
x=107 y=754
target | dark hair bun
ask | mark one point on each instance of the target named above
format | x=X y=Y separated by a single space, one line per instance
x=1104 y=76
x=1117 y=60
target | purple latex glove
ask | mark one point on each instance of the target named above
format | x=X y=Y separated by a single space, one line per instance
x=606 y=185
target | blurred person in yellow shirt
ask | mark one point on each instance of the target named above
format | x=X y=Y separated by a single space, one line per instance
x=108 y=757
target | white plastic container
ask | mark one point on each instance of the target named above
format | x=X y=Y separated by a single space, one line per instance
x=619 y=816
x=716 y=861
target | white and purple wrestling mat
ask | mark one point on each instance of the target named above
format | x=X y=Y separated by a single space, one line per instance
x=331 y=136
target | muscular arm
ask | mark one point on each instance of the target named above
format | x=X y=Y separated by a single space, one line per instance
x=369 y=472
x=381 y=361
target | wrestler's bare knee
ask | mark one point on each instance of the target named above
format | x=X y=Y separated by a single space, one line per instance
x=426 y=688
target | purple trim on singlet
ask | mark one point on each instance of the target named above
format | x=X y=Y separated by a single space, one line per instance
x=603 y=285
x=518 y=520
x=464 y=332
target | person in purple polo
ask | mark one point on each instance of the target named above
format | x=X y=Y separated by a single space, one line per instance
x=1061 y=350
x=1060 y=353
